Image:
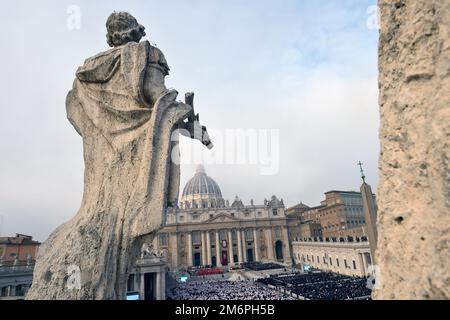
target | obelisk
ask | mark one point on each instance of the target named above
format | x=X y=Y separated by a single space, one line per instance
x=370 y=213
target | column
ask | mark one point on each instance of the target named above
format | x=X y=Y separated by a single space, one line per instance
x=174 y=249
x=158 y=285
x=163 y=285
x=286 y=246
x=244 y=246
x=269 y=243
x=208 y=248
x=239 y=245
x=203 y=248
x=142 y=286
x=189 y=258
x=230 y=248
x=136 y=282
x=362 y=264
x=218 y=250
x=256 y=244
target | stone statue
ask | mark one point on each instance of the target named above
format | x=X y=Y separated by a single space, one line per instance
x=129 y=121
x=147 y=251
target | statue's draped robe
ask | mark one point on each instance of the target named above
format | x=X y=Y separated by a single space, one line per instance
x=128 y=178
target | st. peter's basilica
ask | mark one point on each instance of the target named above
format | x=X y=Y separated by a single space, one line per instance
x=207 y=230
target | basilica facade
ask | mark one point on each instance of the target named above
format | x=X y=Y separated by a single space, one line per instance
x=206 y=230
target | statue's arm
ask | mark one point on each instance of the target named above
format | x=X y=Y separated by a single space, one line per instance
x=192 y=127
x=157 y=69
x=154 y=85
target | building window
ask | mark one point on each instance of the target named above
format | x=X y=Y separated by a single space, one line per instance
x=196 y=237
x=181 y=218
x=163 y=240
x=337 y=262
x=277 y=233
x=275 y=211
x=195 y=217
x=354 y=265
x=211 y=216
x=345 y=263
x=331 y=262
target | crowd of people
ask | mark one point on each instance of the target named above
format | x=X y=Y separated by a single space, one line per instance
x=257 y=266
x=313 y=285
x=295 y=279
x=321 y=286
x=225 y=290
x=335 y=290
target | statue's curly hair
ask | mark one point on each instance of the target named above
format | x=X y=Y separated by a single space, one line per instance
x=122 y=28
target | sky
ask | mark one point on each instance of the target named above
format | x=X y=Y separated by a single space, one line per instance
x=302 y=73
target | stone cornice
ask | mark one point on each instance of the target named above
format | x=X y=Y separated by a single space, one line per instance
x=218 y=225
x=353 y=245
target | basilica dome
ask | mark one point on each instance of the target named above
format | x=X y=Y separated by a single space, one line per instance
x=201 y=191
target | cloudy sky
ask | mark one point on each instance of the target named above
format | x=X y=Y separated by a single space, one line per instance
x=304 y=70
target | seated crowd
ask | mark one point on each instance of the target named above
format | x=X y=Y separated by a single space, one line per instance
x=321 y=286
x=224 y=290
x=257 y=266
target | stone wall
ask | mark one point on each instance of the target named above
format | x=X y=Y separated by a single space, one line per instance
x=413 y=192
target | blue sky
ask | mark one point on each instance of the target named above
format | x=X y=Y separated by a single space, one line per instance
x=305 y=68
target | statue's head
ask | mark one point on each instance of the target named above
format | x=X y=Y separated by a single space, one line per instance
x=122 y=28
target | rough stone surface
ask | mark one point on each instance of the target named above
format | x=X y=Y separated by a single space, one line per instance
x=414 y=193
x=126 y=117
